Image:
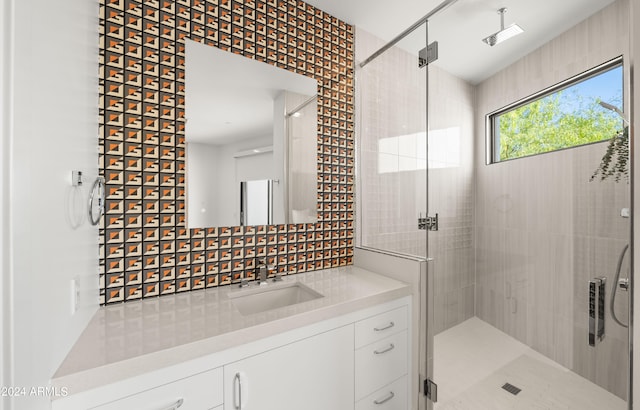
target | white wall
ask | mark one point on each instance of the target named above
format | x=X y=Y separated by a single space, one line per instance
x=301 y=178
x=5 y=353
x=202 y=185
x=52 y=130
x=280 y=106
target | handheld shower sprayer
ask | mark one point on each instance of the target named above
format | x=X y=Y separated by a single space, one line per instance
x=615 y=109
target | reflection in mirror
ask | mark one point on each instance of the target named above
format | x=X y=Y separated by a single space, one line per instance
x=251 y=135
x=302 y=185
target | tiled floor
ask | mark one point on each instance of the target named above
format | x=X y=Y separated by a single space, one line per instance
x=474 y=360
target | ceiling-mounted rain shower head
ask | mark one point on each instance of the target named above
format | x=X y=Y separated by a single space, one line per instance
x=505 y=33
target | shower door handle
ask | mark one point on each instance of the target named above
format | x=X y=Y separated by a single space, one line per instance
x=596 y=310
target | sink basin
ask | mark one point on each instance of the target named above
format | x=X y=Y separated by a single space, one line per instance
x=272 y=296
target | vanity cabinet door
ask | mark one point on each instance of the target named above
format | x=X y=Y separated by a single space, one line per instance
x=198 y=392
x=313 y=374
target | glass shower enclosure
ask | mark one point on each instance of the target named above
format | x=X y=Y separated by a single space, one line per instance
x=522 y=254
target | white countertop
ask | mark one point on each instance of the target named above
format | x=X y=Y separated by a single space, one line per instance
x=138 y=337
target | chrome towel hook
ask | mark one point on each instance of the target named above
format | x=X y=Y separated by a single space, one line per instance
x=98 y=185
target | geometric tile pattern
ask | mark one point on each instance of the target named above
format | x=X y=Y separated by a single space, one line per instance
x=145 y=248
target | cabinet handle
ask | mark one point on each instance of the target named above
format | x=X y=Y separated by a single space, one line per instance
x=390 y=396
x=380 y=329
x=237 y=382
x=175 y=405
x=391 y=346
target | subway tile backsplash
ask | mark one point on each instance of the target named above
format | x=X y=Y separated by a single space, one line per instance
x=145 y=248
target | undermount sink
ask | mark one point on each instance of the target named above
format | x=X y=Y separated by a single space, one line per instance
x=272 y=296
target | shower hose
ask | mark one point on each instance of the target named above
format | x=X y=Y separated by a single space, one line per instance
x=614 y=287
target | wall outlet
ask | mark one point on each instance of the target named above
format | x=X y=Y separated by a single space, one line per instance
x=75 y=295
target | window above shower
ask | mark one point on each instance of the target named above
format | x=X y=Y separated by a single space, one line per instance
x=581 y=110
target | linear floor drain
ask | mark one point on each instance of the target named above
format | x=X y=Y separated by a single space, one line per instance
x=511 y=388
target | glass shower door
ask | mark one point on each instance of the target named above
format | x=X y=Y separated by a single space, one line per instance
x=451 y=247
x=520 y=240
x=392 y=165
x=392 y=145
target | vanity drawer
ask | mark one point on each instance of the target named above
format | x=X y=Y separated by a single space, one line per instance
x=391 y=397
x=380 y=326
x=198 y=392
x=379 y=363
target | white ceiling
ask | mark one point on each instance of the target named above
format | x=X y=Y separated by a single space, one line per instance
x=460 y=28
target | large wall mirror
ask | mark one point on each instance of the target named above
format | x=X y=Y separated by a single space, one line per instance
x=251 y=135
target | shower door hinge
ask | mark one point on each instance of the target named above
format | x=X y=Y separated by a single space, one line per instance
x=430 y=223
x=428 y=55
x=430 y=390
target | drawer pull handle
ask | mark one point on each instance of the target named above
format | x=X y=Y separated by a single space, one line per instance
x=390 y=396
x=388 y=349
x=380 y=329
x=238 y=382
x=175 y=405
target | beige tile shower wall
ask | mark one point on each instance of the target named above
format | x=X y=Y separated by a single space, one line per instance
x=543 y=230
x=391 y=103
x=451 y=196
